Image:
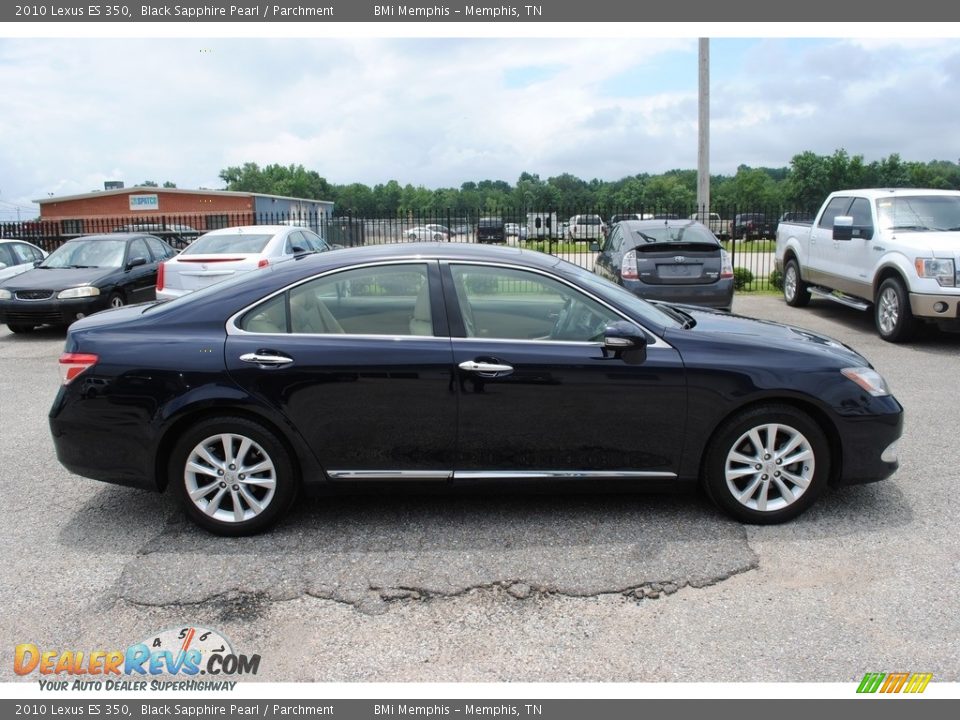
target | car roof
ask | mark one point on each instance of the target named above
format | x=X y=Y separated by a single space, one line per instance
x=654 y=224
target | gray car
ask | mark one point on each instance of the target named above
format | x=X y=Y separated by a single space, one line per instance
x=678 y=261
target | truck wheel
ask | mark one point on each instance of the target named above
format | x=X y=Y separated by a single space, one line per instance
x=795 y=291
x=894 y=319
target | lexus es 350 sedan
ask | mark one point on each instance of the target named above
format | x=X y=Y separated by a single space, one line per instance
x=433 y=363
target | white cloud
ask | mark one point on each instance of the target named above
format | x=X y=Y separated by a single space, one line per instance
x=439 y=112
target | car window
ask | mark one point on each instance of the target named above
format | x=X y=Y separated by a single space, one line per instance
x=159 y=250
x=6 y=256
x=23 y=253
x=860 y=210
x=835 y=207
x=228 y=243
x=314 y=241
x=138 y=249
x=507 y=304
x=87 y=253
x=384 y=300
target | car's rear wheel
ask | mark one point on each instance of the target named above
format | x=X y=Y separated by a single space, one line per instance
x=795 y=291
x=767 y=465
x=20 y=329
x=894 y=319
x=232 y=475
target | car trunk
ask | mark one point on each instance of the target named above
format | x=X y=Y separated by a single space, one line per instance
x=192 y=272
x=679 y=263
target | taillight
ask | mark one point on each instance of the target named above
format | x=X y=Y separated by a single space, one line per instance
x=160 y=275
x=628 y=266
x=263 y=263
x=72 y=364
x=726 y=265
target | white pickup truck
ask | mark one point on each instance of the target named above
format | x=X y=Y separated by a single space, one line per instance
x=896 y=251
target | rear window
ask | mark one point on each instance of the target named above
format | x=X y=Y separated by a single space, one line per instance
x=680 y=233
x=239 y=243
x=491 y=222
x=590 y=220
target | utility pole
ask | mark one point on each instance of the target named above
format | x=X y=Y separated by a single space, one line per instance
x=703 y=146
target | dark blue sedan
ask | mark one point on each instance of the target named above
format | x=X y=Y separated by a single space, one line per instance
x=452 y=364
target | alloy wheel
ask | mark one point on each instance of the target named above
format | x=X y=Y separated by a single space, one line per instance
x=230 y=477
x=769 y=467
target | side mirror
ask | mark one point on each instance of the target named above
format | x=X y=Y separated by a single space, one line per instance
x=843 y=227
x=625 y=341
x=136 y=262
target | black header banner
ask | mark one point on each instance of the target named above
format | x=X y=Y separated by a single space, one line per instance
x=813 y=14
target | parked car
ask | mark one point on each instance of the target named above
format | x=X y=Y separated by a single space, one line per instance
x=586 y=227
x=18 y=256
x=177 y=236
x=425 y=233
x=896 y=252
x=491 y=230
x=620 y=217
x=515 y=230
x=238 y=396
x=220 y=254
x=718 y=226
x=753 y=226
x=81 y=277
x=675 y=260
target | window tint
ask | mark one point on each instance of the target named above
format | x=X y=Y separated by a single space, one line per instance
x=23 y=253
x=138 y=249
x=384 y=300
x=506 y=304
x=860 y=210
x=159 y=250
x=6 y=255
x=836 y=207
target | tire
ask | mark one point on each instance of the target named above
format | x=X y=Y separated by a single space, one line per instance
x=20 y=329
x=796 y=292
x=762 y=496
x=234 y=505
x=116 y=300
x=891 y=312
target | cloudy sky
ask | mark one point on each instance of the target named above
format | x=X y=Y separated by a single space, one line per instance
x=441 y=111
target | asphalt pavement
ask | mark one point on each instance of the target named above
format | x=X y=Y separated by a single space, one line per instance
x=493 y=587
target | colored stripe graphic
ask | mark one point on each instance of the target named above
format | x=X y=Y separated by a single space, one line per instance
x=870 y=682
x=894 y=682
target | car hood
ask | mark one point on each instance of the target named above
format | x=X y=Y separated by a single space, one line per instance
x=729 y=328
x=57 y=278
x=942 y=244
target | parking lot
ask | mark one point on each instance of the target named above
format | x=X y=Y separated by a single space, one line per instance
x=493 y=587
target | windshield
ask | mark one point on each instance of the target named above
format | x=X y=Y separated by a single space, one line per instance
x=87 y=253
x=673 y=234
x=232 y=243
x=919 y=212
x=637 y=307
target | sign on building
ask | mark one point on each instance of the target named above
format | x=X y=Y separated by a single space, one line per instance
x=144 y=202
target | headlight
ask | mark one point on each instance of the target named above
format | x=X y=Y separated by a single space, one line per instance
x=870 y=380
x=942 y=270
x=79 y=292
x=5 y=294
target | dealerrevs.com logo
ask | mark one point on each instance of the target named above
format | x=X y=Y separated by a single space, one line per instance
x=187 y=652
x=888 y=683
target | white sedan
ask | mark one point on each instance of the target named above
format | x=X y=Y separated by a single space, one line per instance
x=426 y=233
x=17 y=256
x=221 y=254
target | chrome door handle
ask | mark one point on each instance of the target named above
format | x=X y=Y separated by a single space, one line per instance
x=263 y=359
x=486 y=369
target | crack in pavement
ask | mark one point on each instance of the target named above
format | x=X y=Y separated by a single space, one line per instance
x=371 y=554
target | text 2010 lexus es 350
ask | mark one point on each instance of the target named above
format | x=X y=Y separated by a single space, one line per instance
x=455 y=363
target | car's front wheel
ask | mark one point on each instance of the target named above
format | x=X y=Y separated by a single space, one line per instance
x=232 y=475
x=20 y=329
x=767 y=465
x=892 y=314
